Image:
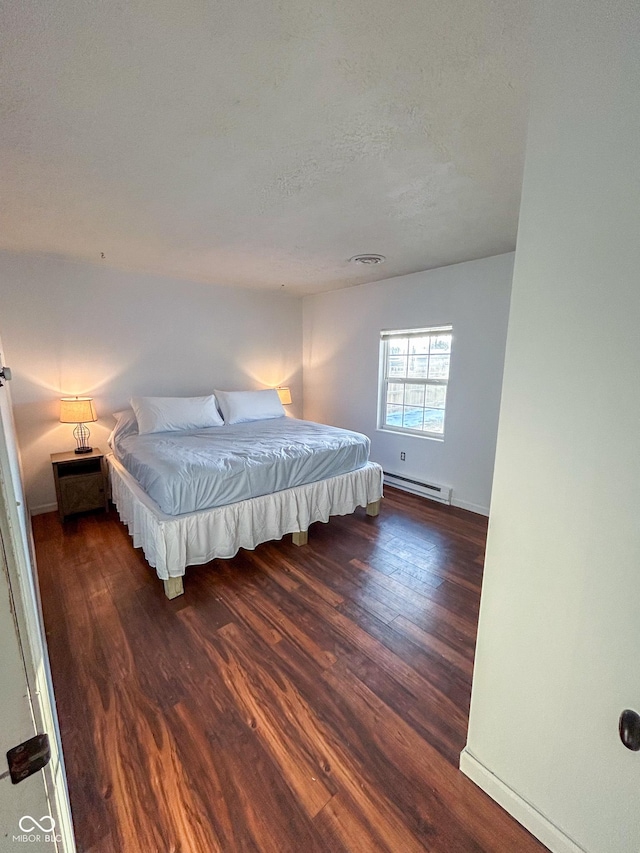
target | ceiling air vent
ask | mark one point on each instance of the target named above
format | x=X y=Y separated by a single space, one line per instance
x=367 y=259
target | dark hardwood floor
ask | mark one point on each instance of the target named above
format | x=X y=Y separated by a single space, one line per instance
x=294 y=699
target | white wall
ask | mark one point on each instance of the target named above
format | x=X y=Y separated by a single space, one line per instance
x=75 y=328
x=559 y=639
x=341 y=347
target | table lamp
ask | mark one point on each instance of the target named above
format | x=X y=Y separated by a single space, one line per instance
x=285 y=394
x=80 y=411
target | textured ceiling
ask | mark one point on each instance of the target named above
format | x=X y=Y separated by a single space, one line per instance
x=262 y=143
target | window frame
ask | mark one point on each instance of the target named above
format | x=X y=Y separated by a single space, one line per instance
x=386 y=336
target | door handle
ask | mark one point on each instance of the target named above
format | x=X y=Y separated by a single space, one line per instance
x=5 y=373
x=629 y=729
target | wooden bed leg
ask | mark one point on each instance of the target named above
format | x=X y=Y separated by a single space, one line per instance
x=173 y=587
x=373 y=508
x=300 y=538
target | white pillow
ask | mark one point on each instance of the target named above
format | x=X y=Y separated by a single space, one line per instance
x=126 y=424
x=170 y=414
x=237 y=407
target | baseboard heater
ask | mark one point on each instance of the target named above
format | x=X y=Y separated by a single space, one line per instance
x=442 y=494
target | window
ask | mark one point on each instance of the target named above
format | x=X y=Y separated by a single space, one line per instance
x=414 y=371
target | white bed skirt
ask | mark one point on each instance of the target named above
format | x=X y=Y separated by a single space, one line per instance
x=171 y=543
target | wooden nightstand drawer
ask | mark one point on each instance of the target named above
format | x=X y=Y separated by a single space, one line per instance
x=81 y=482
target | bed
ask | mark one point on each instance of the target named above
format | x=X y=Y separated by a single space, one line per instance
x=192 y=495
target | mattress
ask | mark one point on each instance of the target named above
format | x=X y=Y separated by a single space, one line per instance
x=184 y=472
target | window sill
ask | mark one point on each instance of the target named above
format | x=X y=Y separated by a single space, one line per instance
x=408 y=434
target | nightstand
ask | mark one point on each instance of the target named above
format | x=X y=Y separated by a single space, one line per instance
x=81 y=481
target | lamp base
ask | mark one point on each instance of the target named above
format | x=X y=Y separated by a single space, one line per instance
x=81 y=435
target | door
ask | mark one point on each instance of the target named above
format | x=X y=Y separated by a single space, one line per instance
x=558 y=651
x=22 y=806
x=36 y=810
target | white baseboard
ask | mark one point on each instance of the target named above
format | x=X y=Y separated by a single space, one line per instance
x=481 y=510
x=526 y=814
x=40 y=510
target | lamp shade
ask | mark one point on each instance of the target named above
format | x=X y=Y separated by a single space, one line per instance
x=77 y=410
x=285 y=395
